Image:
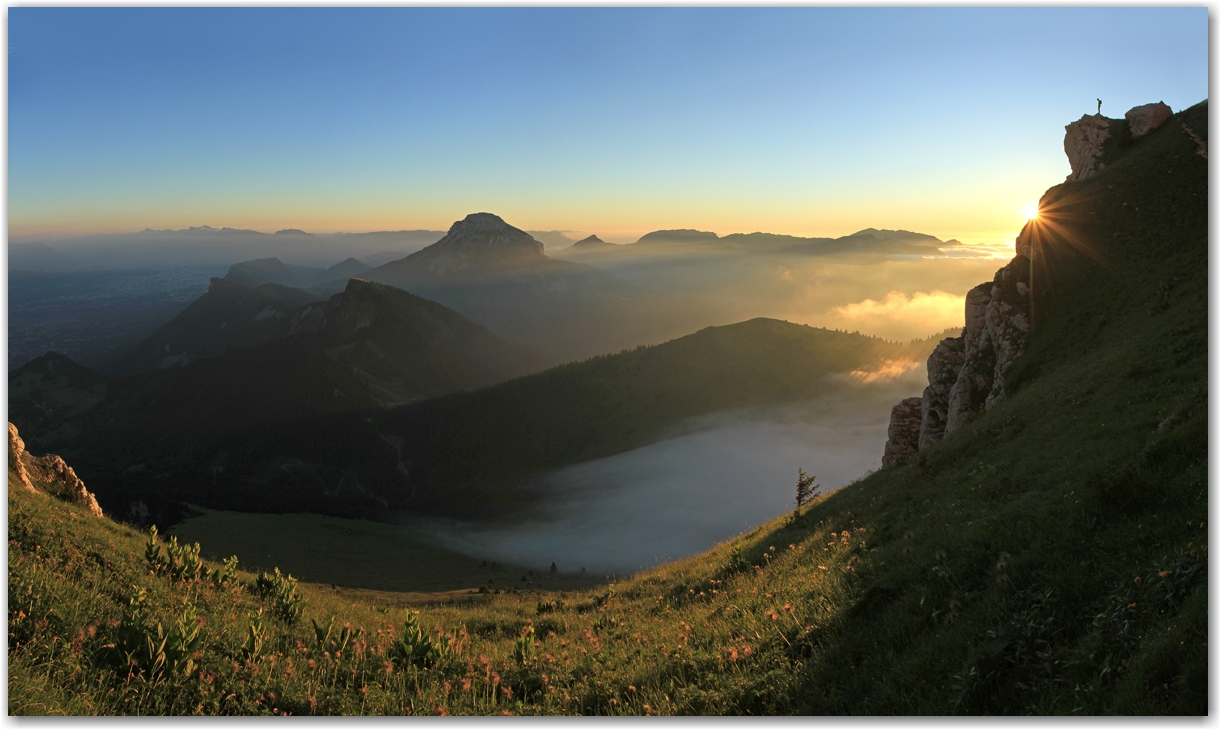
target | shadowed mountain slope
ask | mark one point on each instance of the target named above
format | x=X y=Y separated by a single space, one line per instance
x=230 y=315
x=368 y=347
x=486 y=439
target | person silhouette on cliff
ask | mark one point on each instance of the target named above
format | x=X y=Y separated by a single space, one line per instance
x=1099 y=107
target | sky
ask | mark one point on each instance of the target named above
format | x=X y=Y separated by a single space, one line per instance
x=615 y=121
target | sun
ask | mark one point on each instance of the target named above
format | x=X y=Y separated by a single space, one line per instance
x=1031 y=211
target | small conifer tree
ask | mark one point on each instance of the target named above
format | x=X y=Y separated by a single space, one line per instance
x=806 y=489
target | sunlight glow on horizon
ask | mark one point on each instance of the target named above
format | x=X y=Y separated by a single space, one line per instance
x=719 y=119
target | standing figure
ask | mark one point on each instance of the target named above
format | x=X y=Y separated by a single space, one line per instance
x=1099 y=107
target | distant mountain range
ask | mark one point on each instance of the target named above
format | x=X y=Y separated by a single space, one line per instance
x=689 y=242
x=207 y=246
x=499 y=276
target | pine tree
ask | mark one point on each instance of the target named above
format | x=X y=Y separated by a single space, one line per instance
x=806 y=489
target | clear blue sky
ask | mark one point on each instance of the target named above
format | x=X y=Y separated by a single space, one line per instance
x=812 y=121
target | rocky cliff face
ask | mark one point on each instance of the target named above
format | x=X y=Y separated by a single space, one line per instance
x=48 y=474
x=966 y=374
x=904 y=431
x=943 y=365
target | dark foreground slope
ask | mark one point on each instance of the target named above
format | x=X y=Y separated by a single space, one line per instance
x=1048 y=558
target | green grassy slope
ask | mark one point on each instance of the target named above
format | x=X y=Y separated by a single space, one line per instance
x=1049 y=558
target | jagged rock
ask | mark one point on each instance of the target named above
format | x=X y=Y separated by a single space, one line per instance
x=903 y=441
x=1144 y=119
x=1007 y=322
x=997 y=326
x=1085 y=144
x=969 y=394
x=50 y=472
x=943 y=366
x=966 y=374
x=16 y=449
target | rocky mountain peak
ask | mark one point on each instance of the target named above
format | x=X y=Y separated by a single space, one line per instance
x=480 y=240
x=486 y=235
x=592 y=240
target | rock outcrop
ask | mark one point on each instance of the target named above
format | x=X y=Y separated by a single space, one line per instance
x=904 y=431
x=1084 y=145
x=48 y=474
x=16 y=449
x=1144 y=119
x=1092 y=141
x=967 y=374
x=943 y=365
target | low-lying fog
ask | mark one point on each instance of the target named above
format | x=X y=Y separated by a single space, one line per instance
x=723 y=476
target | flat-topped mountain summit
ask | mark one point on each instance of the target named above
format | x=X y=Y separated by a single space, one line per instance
x=499 y=276
x=478 y=239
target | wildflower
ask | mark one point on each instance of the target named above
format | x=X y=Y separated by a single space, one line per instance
x=465 y=684
x=746 y=651
x=507 y=692
x=385 y=666
x=772 y=614
x=788 y=608
x=732 y=654
x=629 y=688
x=441 y=711
x=647 y=709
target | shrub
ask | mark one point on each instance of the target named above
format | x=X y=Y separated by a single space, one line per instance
x=416 y=648
x=281 y=590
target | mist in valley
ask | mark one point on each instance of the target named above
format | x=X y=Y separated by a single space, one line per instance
x=891 y=296
x=713 y=479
